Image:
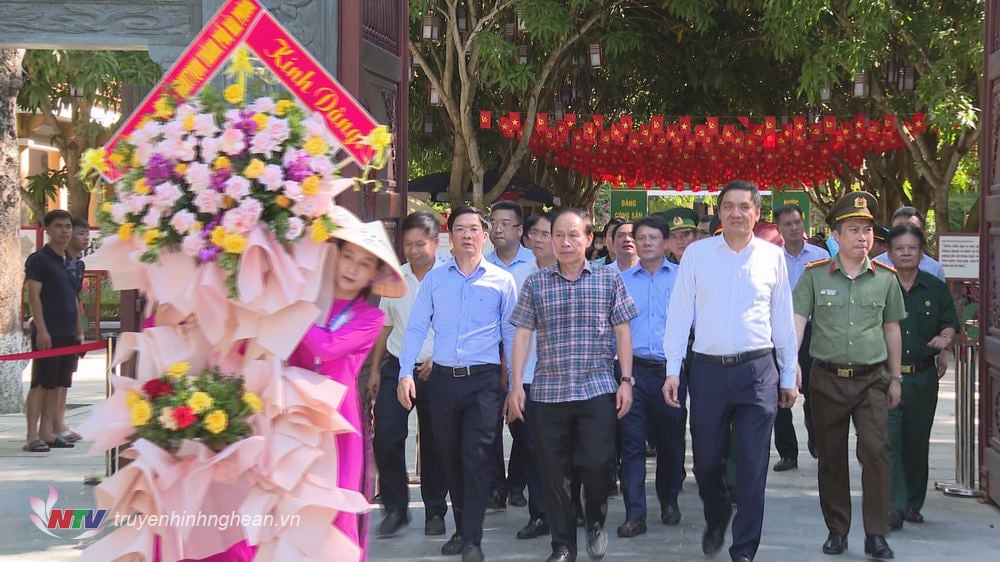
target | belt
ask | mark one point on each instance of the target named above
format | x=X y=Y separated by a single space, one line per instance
x=733 y=359
x=650 y=363
x=848 y=371
x=468 y=370
x=926 y=363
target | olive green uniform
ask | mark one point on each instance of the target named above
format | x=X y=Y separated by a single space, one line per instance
x=930 y=309
x=848 y=381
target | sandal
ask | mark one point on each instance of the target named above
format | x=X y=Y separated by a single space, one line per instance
x=36 y=446
x=71 y=436
x=60 y=443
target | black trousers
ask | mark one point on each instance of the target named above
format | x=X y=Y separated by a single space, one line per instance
x=785 y=440
x=516 y=477
x=568 y=435
x=464 y=412
x=390 y=432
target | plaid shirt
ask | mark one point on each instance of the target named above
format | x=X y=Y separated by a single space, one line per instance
x=574 y=321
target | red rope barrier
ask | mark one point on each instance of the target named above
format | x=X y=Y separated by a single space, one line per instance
x=55 y=352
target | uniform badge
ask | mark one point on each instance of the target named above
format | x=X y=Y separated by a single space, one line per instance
x=678 y=221
x=861 y=203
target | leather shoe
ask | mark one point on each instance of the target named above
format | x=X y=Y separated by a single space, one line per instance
x=597 y=541
x=835 y=544
x=534 y=529
x=454 y=545
x=715 y=535
x=913 y=515
x=631 y=528
x=670 y=514
x=876 y=547
x=895 y=519
x=786 y=464
x=472 y=553
x=743 y=558
x=434 y=526
x=391 y=524
x=497 y=503
x=561 y=553
x=517 y=499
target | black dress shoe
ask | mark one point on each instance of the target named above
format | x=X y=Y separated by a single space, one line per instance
x=534 y=529
x=786 y=464
x=391 y=524
x=631 y=528
x=743 y=558
x=561 y=553
x=913 y=515
x=895 y=519
x=597 y=541
x=472 y=553
x=876 y=547
x=454 y=545
x=434 y=526
x=711 y=541
x=835 y=544
x=517 y=499
x=670 y=514
x=497 y=503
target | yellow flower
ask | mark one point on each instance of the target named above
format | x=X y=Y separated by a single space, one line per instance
x=233 y=93
x=162 y=108
x=221 y=162
x=218 y=235
x=315 y=146
x=228 y=202
x=260 y=119
x=141 y=187
x=179 y=369
x=134 y=161
x=181 y=168
x=283 y=106
x=106 y=207
x=318 y=232
x=200 y=401
x=188 y=122
x=150 y=236
x=310 y=185
x=234 y=243
x=253 y=402
x=141 y=411
x=132 y=397
x=125 y=231
x=94 y=158
x=216 y=421
x=282 y=201
x=254 y=169
x=379 y=138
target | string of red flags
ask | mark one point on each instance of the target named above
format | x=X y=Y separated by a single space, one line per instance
x=685 y=154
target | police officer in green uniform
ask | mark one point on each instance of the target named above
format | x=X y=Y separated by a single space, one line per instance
x=683 y=223
x=928 y=330
x=856 y=306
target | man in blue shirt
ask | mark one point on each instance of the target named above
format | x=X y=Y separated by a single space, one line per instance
x=506 y=231
x=467 y=301
x=649 y=283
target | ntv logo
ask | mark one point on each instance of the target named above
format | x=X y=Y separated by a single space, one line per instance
x=48 y=518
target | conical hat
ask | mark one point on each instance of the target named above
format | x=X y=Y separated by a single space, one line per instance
x=372 y=237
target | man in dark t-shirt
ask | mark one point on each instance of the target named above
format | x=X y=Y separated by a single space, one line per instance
x=52 y=298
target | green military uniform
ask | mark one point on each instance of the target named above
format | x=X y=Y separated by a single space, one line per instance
x=680 y=219
x=930 y=309
x=848 y=379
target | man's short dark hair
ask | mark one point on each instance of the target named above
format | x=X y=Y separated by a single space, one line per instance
x=612 y=225
x=617 y=226
x=80 y=223
x=741 y=185
x=588 y=227
x=56 y=214
x=653 y=221
x=511 y=206
x=785 y=209
x=531 y=221
x=705 y=219
x=908 y=228
x=907 y=212
x=466 y=210
x=422 y=220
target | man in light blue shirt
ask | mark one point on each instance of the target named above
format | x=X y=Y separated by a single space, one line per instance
x=650 y=283
x=467 y=301
x=913 y=216
x=507 y=228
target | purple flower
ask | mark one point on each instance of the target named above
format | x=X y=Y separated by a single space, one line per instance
x=298 y=169
x=219 y=178
x=158 y=168
x=209 y=253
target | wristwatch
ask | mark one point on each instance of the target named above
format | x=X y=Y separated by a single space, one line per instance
x=629 y=380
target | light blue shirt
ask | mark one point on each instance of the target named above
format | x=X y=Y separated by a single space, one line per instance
x=927 y=263
x=468 y=314
x=651 y=294
x=521 y=268
x=797 y=264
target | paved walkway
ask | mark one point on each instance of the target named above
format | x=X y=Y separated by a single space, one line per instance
x=956 y=529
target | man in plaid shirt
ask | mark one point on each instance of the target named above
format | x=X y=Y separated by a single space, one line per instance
x=581 y=316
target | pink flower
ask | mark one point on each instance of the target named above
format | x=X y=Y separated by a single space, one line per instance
x=184 y=110
x=192 y=244
x=146 y=133
x=293 y=190
x=199 y=176
x=263 y=105
x=264 y=144
x=231 y=142
x=295 y=228
x=118 y=212
x=237 y=222
x=250 y=208
x=143 y=152
x=321 y=165
x=152 y=217
x=237 y=187
x=277 y=129
x=204 y=125
x=173 y=131
x=209 y=148
x=208 y=201
x=135 y=204
x=166 y=194
x=272 y=177
x=311 y=207
x=183 y=221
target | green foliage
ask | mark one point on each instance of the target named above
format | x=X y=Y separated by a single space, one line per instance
x=45 y=186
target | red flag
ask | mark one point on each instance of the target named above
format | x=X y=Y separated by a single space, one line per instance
x=657 y=123
x=685 y=125
x=799 y=122
x=770 y=123
x=515 y=119
x=485 y=119
x=541 y=121
x=626 y=121
x=745 y=121
x=919 y=123
x=571 y=119
x=713 y=125
x=598 y=120
x=829 y=123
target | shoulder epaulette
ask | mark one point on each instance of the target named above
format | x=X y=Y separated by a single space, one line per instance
x=884 y=266
x=818 y=263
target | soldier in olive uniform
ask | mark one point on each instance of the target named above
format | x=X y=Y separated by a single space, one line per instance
x=856 y=305
x=928 y=330
x=683 y=222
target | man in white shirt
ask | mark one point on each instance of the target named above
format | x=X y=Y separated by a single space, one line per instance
x=737 y=286
x=420 y=242
x=913 y=216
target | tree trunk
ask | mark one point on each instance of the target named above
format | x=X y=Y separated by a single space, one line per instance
x=11 y=275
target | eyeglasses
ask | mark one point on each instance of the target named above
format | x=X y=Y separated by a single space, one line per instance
x=535 y=233
x=463 y=230
x=504 y=225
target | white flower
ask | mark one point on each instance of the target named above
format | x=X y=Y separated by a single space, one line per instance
x=118 y=212
x=204 y=125
x=143 y=152
x=231 y=142
x=277 y=129
x=322 y=166
x=183 y=221
x=185 y=110
x=152 y=218
x=263 y=144
x=263 y=105
x=311 y=207
x=208 y=201
x=166 y=194
x=272 y=177
x=173 y=131
x=209 y=148
x=192 y=244
x=295 y=228
x=135 y=204
x=293 y=190
x=145 y=134
x=237 y=187
x=199 y=176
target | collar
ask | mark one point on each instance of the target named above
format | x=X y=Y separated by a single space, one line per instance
x=64 y=258
x=835 y=265
x=720 y=242
x=587 y=268
x=523 y=255
x=636 y=269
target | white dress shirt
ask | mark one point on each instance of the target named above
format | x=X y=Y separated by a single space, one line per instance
x=742 y=300
x=397 y=312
